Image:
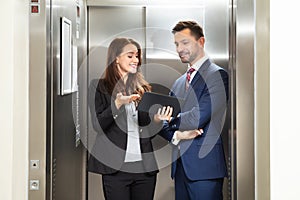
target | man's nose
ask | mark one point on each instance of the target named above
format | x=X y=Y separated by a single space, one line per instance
x=179 y=48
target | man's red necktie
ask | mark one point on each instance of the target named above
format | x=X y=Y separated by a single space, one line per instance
x=188 y=76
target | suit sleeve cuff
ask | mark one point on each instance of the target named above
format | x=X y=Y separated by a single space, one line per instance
x=174 y=140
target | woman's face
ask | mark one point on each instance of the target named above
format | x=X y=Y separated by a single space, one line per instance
x=128 y=60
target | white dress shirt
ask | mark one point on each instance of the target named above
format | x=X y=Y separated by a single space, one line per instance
x=133 y=150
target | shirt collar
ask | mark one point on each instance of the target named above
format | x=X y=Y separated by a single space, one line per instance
x=199 y=63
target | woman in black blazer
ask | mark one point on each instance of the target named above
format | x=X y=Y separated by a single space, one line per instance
x=122 y=151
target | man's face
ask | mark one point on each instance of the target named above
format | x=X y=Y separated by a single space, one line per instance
x=188 y=48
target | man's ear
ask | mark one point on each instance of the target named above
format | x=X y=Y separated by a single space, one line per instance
x=201 y=41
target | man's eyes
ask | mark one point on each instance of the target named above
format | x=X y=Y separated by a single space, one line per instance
x=183 y=43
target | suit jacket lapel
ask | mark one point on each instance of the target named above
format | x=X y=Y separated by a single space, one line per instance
x=200 y=72
x=195 y=81
x=180 y=88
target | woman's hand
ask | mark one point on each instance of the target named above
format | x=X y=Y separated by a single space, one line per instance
x=121 y=99
x=164 y=113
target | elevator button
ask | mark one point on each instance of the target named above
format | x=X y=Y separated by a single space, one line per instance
x=34 y=184
x=34 y=164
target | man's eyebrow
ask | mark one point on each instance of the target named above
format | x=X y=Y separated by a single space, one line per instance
x=184 y=40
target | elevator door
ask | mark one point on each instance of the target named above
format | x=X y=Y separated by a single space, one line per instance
x=161 y=65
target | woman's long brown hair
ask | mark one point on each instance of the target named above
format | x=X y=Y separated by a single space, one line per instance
x=135 y=84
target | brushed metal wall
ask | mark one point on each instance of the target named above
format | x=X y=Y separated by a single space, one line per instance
x=67 y=171
x=38 y=101
x=244 y=99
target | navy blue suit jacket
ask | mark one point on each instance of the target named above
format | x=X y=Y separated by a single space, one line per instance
x=204 y=107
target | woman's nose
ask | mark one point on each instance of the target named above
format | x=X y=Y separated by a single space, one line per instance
x=136 y=59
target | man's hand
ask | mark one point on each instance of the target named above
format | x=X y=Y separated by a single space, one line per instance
x=185 y=135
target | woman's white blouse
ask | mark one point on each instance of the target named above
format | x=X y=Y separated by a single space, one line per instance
x=133 y=150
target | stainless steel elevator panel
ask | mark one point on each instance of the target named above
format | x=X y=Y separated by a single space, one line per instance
x=245 y=90
x=38 y=100
x=161 y=65
x=68 y=158
x=58 y=159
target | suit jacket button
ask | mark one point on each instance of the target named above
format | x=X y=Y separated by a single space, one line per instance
x=141 y=130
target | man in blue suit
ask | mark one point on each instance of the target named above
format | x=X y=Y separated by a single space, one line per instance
x=199 y=165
